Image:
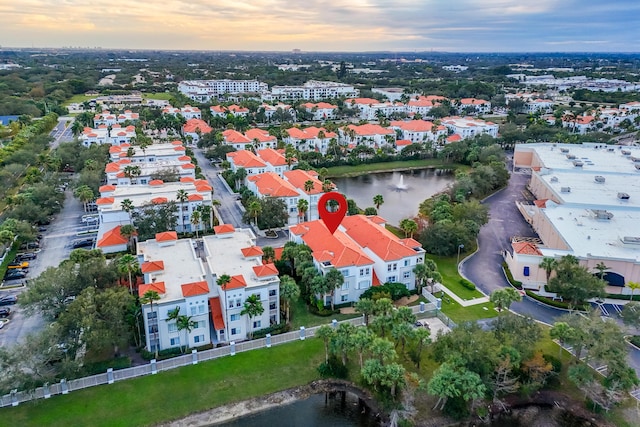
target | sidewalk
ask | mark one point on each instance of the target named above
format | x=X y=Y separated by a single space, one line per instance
x=464 y=303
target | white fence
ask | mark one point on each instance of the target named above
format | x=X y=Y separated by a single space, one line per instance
x=64 y=387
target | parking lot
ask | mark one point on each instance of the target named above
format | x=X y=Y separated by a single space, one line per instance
x=55 y=245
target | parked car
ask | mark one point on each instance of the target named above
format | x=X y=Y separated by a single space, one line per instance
x=42 y=229
x=26 y=256
x=18 y=265
x=5 y=311
x=8 y=300
x=15 y=274
x=87 y=243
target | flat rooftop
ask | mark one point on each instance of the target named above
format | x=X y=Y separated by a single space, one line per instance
x=181 y=265
x=585 y=190
x=596 y=158
x=224 y=256
x=142 y=195
x=590 y=237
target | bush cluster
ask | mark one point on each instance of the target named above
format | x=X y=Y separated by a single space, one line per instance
x=467 y=284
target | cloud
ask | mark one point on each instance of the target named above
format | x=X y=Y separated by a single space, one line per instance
x=462 y=25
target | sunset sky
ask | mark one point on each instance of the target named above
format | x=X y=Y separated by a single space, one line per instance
x=325 y=25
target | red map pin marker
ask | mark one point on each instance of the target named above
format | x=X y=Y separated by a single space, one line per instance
x=332 y=219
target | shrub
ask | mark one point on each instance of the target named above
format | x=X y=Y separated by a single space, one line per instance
x=515 y=283
x=320 y=310
x=467 y=284
x=273 y=330
x=552 y=303
x=95 y=368
x=333 y=368
x=172 y=352
x=395 y=290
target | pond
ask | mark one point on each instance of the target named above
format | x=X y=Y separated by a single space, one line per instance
x=327 y=409
x=402 y=191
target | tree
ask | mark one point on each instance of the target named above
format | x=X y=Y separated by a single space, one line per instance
x=128 y=264
x=503 y=298
x=409 y=227
x=631 y=314
x=401 y=333
x=308 y=186
x=240 y=176
x=426 y=272
x=128 y=231
x=185 y=323
x=378 y=200
x=150 y=297
x=562 y=332
x=303 y=207
x=421 y=337
x=575 y=283
x=602 y=268
x=334 y=279
x=342 y=341
x=454 y=381
x=195 y=221
x=548 y=265
x=365 y=306
x=382 y=350
x=633 y=286
x=182 y=196
x=325 y=333
x=289 y=292
x=84 y=193
x=362 y=340
x=255 y=208
x=128 y=207
x=252 y=307
x=268 y=254
x=223 y=281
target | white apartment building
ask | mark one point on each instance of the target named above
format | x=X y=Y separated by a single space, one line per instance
x=423 y=104
x=418 y=131
x=363 y=250
x=468 y=127
x=234 y=110
x=270 y=184
x=153 y=153
x=321 y=110
x=187 y=279
x=312 y=90
x=270 y=110
x=125 y=172
x=370 y=108
x=310 y=139
x=116 y=135
x=265 y=160
x=253 y=138
x=206 y=90
x=109 y=119
x=473 y=105
x=188 y=112
x=374 y=136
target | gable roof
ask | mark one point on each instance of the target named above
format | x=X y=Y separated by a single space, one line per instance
x=112 y=238
x=252 y=251
x=237 y=282
x=195 y=288
x=366 y=233
x=193 y=125
x=272 y=156
x=166 y=236
x=245 y=159
x=526 y=248
x=159 y=287
x=299 y=177
x=265 y=270
x=272 y=185
x=151 y=266
x=224 y=228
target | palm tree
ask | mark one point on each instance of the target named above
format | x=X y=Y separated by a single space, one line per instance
x=223 y=281
x=502 y=298
x=325 y=333
x=128 y=264
x=327 y=186
x=378 y=200
x=182 y=196
x=548 y=264
x=289 y=292
x=184 y=323
x=255 y=208
x=241 y=174
x=206 y=213
x=633 y=286
x=195 y=221
x=601 y=267
x=252 y=308
x=132 y=171
x=308 y=185
x=409 y=227
x=303 y=207
x=128 y=231
x=148 y=298
x=127 y=206
x=268 y=254
x=84 y=193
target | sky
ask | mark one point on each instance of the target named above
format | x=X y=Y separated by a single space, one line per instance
x=326 y=25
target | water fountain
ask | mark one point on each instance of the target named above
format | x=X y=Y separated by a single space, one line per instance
x=401 y=186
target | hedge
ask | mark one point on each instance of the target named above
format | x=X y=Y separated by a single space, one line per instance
x=515 y=283
x=396 y=290
x=172 y=352
x=467 y=284
x=549 y=301
x=273 y=330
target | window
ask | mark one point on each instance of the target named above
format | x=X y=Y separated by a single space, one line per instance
x=272 y=293
x=173 y=327
x=406 y=274
x=257 y=324
x=175 y=341
x=198 y=338
x=192 y=311
x=388 y=267
x=235 y=331
x=153 y=315
x=153 y=329
x=201 y=309
x=238 y=302
x=345 y=286
x=272 y=306
x=391 y=279
x=230 y=303
x=234 y=317
x=419 y=260
x=395 y=266
x=406 y=262
x=344 y=298
x=363 y=284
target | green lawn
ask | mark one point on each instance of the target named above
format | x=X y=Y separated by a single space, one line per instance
x=79 y=99
x=451 y=279
x=340 y=171
x=176 y=393
x=300 y=316
x=165 y=96
x=458 y=313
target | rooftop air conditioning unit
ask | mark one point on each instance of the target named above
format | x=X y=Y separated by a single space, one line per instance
x=635 y=159
x=602 y=214
x=571 y=156
x=610 y=149
x=577 y=163
x=600 y=179
x=637 y=166
x=565 y=189
x=623 y=196
x=554 y=179
x=631 y=240
x=626 y=152
x=564 y=150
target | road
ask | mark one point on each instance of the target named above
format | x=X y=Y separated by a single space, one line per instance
x=62 y=132
x=55 y=247
x=229 y=207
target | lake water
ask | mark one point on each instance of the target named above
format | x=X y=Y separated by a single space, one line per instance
x=318 y=410
x=399 y=203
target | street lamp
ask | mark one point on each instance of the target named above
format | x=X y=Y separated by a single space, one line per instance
x=460 y=246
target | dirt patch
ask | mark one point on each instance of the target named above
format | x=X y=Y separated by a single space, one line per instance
x=406 y=300
x=228 y=412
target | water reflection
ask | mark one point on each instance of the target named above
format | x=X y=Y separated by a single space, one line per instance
x=402 y=191
x=330 y=409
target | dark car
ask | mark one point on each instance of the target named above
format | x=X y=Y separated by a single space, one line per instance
x=42 y=229
x=82 y=244
x=26 y=256
x=15 y=274
x=8 y=300
x=5 y=311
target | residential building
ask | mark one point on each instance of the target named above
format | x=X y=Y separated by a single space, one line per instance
x=418 y=131
x=312 y=90
x=468 y=127
x=265 y=160
x=186 y=278
x=188 y=112
x=152 y=153
x=309 y=188
x=206 y=90
x=371 y=135
x=393 y=93
x=473 y=106
x=125 y=172
x=270 y=184
x=321 y=110
x=195 y=128
x=372 y=109
x=310 y=139
x=363 y=250
x=109 y=119
x=271 y=110
x=261 y=138
x=579 y=124
x=587 y=205
x=539 y=105
x=234 y=110
x=423 y=104
x=103 y=134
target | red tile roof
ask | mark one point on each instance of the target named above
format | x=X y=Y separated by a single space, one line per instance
x=265 y=270
x=195 y=288
x=415 y=125
x=298 y=177
x=309 y=133
x=193 y=125
x=541 y=203
x=526 y=248
x=159 y=287
x=366 y=233
x=112 y=238
x=112 y=167
x=166 y=236
x=224 y=229
x=105 y=201
x=159 y=200
x=151 y=266
x=272 y=156
x=232 y=136
x=272 y=185
x=216 y=313
x=107 y=188
x=252 y=251
x=260 y=134
x=154 y=182
x=237 y=282
x=195 y=197
x=188 y=166
x=245 y=159
x=187 y=179
x=370 y=129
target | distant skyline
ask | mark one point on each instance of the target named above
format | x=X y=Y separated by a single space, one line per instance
x=326 y=25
